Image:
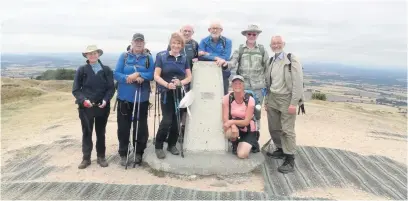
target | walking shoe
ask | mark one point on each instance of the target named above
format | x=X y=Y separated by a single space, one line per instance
x=138 y=158
x=84 y=164
x=160 y=153
x=255 y=149
x=234 y=147
x=288 y=165
x=123 y=161
x=278 y=154
x=173 y=150
x=102 y=161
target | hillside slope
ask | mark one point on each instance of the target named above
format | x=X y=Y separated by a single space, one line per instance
x=49 y=115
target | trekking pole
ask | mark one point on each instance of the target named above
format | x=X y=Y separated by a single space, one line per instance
x=131 y=131
x=137 y=124
x=156 y=94
x=114 y=106
x=176 y=104
x=116 y=102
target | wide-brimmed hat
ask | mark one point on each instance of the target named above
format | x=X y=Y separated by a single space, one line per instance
x=92 y=48
x=251 y=28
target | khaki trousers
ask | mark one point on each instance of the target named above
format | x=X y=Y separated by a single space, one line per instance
x=281 y=124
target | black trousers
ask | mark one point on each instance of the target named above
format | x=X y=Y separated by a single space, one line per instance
x=169 y=120
x=88 y=117
x=124 y=120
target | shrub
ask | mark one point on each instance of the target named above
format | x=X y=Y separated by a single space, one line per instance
x=59 y=74
x=319 y=96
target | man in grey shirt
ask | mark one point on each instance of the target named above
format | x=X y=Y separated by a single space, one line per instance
x=284 y=81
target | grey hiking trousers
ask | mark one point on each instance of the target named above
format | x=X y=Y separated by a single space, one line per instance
x=281 y=124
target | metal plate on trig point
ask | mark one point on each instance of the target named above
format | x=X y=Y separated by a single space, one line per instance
x=207 y=95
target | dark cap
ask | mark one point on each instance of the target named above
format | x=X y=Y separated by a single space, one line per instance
x=138 y=36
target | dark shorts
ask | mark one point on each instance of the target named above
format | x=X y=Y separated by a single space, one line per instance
x=249 y=138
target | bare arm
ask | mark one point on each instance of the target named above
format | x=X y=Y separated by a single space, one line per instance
x=158 y=78
x=188 y=77
x=225 y=109
x=232 y=64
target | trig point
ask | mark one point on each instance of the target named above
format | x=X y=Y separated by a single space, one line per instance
x=206 y=151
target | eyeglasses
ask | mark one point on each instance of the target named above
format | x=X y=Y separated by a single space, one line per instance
x=251 y=34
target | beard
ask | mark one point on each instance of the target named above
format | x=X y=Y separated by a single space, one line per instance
x=277 y=51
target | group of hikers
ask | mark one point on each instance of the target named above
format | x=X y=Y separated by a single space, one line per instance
x=276 y=83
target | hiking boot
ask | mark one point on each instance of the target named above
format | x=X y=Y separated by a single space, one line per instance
x=102 y=161
x=84 y=164
x=123 y=160
x=173 y=150
x=160 y=154
x=288 y=165
x=138 y=159
x=278 y=154
x=234 y=147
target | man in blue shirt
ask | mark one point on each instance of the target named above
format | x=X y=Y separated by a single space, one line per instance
x=133 y=72
x=216 y=48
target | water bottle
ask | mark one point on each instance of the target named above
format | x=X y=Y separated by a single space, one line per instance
x=257 y=112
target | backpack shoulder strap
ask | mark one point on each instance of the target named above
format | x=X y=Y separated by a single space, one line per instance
x=290 y=64
x=231 y=98
x=224 y=41
x=262 y=50
x=194 y=44
x=246 y=98
x=125 y=58
x=240 y=53
x=82 y=74
x=106 y=71
x=147 y=61
x=270 y=61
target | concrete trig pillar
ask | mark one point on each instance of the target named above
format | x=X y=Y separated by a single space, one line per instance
x=205 y=146
x=204 y=130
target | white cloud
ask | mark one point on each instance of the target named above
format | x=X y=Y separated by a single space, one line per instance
x=349 y=32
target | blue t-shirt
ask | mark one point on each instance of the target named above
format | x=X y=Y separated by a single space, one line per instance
x=172 y=66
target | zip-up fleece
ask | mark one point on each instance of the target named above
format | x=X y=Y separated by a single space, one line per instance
x=92 y=86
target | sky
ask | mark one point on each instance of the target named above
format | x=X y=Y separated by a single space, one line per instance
x=361 y=32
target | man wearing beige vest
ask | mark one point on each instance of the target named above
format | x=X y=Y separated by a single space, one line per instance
x=284 y=79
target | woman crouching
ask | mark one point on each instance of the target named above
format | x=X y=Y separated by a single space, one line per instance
x=238 y=112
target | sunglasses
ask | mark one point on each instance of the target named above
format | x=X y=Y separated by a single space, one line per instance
x=251 y=34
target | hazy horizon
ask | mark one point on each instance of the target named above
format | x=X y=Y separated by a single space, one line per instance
x=358 y=33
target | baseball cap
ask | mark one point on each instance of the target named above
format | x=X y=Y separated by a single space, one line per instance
x=138 y=36
x=239 y=77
